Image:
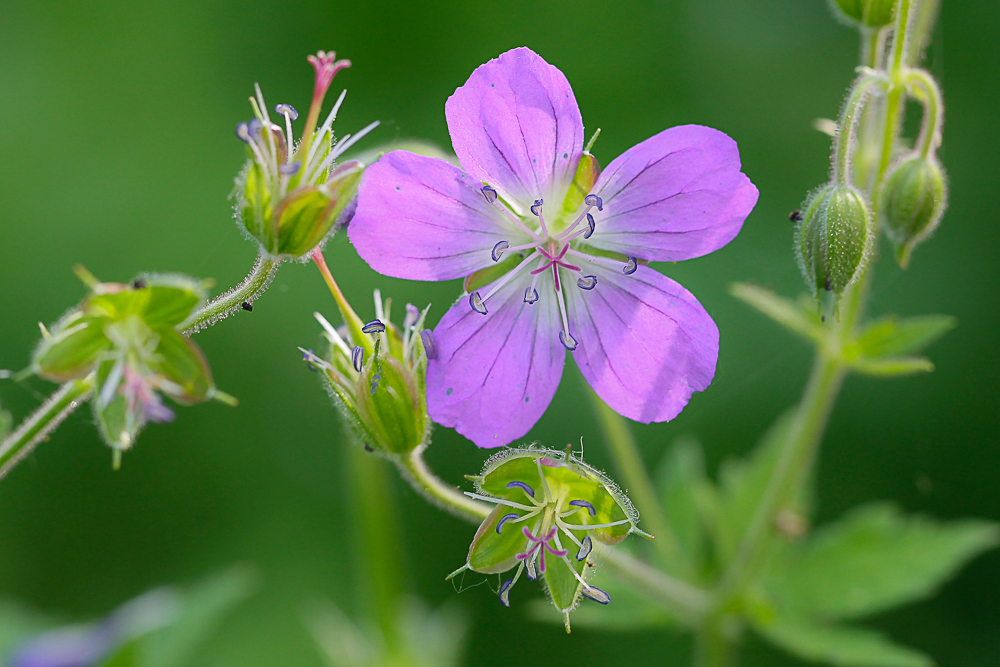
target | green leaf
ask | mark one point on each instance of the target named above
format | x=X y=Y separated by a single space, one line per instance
x=72 y=349
x=684 y=491
x=891 y=336
x=793 y=316
x=841 y=646
x=892 y=366
x=871 y=560
x=180 y=361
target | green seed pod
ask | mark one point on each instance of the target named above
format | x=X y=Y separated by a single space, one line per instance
x=911 y=204
x=834 y=238
x=552 y=511
x=867 y=13
x=381 y=388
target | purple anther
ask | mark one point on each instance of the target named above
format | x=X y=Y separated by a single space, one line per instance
x=594 y=200
x=286 y=169
x=498 y=250
x=584 y=503
x=358 y=358
x=587 y=282
x=243 y=132
x=596 y=594
x=504 y=519
x=630 y=266
x=253 y=128
x=287 y=110
x=567 y=340
x=529 y=568
x=310 y=358
x=524 y=487
x=592 y=225
x=530 y=295
x=411 y=317
x=430 y=344
x=489 y=193
x=536 y=208
x=505 y=592
x=586 y=546
x=476 y=302
x=375 y=326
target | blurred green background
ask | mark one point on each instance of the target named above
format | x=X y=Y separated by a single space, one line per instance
x=118 y=153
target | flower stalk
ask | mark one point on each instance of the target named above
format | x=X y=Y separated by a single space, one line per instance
x=231 y=302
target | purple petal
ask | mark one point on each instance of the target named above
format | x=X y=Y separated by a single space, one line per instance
x=424 y=219
x=495 y=374
x=645 y=343
x=515 y=124
x=677 y=195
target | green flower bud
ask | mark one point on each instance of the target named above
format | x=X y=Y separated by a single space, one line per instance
x=380 y=388
x=834 y=238
x=867 y=13
x=290 y=196
x=127 y=334
x=911 y=204
x=552 y=511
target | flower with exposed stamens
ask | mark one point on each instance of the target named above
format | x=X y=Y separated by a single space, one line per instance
x=290 y=195
x=553 y=251
x=559 y=501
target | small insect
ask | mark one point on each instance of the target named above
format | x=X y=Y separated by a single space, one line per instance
x=369 y=449
x=795 y=216
x=247 y=306
x=138 y=283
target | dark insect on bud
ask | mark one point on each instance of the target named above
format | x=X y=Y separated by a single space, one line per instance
x=912 y=202
x=247 y=306
x=834 y=238
x=138 y=283
x=795 y=216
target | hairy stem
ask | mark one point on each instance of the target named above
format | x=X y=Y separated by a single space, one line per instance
x=47 y=417
x=230 y=302
x=930 y=131
x=413 y=467
x=843 y=143
x=640 y=488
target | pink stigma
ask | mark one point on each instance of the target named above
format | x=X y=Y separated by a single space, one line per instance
x=326 y=67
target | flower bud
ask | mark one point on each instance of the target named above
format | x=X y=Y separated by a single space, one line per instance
x=127 y=333
x=290 y=196
x=834 y=237
x=912 y=202
x=867 y=13
x=552 y=511
x=380 y=388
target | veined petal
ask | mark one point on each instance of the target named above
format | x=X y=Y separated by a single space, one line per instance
x=516 y=125
x=424 y=219
x=645 y=343
x=495 y=374
x=677 y=195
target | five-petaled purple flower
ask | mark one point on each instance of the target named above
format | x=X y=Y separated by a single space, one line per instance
x=569 y=247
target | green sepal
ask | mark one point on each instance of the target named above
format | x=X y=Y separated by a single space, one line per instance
x=891 y=336
x=587 y=171
x=180 y=362
x=491 y=553
x=117 y=427
x=562 y=586
x=163 y=301
x=304 y=218
x=71 y=350
x=392 y=410
x=255 y=205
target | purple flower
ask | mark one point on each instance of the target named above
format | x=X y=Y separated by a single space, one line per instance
x=567 y=245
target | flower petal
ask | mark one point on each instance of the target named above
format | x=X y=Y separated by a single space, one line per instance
x=495 y=374
x=677 y=195
x=515 y=124
x=424 y=219
x=645 y=343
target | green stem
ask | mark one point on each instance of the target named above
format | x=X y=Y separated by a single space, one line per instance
x=930 y=131
x=640 y=488
x=232 y=301
x=872 y=46
x=844 y=140
x=920 y=31
x=47 y=417
x=378 y=544
x=712 y=648
x=687 y=603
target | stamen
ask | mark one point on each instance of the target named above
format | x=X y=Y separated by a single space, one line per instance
x=332 y=116
x=505 y=592
x=504 y=519
x=587 y=282
x=498 y=250
x=585 y=548
x=503 y=281
x=630 y=266
x=530 y=294
x=595 y=526
x=489 y=193
x=501 y=501
x=596 y=594
x=592 y=224
x=567 y=340
x=332 y=334
x=594 y=200
x=411 y=317
x=536 y=208
x=430 y=344
x=358 y=358
x=529 y=565
x=287 y=110
x=375 y=326
x=243 y=132
x=585 y=504
x=476 y=303
x=524 y=487
x=289 y=169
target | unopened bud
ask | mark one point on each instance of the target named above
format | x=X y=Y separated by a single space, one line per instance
x=867 y=13
x=912 y=202
x=834 y=238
